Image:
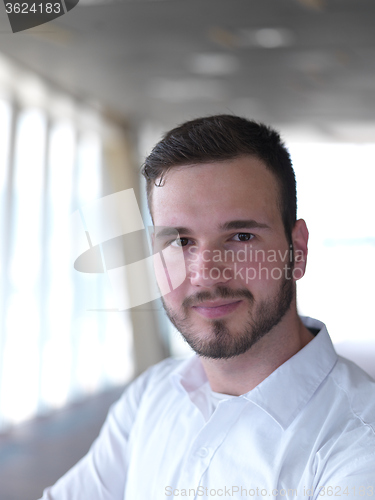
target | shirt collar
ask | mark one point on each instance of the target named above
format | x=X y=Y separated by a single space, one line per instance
x=287 y=390
x=189 y=375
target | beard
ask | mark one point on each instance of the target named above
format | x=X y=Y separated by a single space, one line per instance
x=222 y=342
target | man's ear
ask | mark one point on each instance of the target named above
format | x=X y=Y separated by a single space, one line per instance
x=300 y=237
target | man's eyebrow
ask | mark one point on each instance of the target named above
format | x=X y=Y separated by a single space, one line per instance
x=163 y=232
x=243 y=224
x=166 y=231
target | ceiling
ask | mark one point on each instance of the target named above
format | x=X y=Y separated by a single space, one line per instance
x=305 y=64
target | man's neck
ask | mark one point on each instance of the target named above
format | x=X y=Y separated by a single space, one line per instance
x=240 y=374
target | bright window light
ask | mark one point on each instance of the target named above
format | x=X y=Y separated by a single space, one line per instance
x=335 y=192
x=28 y=199
x=117 y=349
x=20 y=374
x=88 y=351
x=5 y=119
x=5 y=124
x=56 y=366
x=89 y=161
x=60 y=333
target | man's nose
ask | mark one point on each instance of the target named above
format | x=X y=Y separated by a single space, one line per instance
x=208 y=268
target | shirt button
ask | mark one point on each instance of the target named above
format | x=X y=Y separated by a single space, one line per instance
x=203 y=452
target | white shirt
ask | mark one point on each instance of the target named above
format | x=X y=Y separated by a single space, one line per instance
x=308 y=426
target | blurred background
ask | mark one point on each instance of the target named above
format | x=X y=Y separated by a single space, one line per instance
x=82 y=101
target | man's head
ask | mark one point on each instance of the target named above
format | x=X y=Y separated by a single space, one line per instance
x=222 y=184
x=221 y=138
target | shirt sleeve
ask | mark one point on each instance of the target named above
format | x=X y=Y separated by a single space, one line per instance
x=356 y=483
x=101 y=474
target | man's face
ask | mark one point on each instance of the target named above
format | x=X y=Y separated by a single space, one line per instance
x=238 y=261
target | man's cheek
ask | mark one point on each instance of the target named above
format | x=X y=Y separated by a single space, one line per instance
x=170 y=270
x=192 y=270
x=256 y=276
x=247 y=273
x=173 y=300
x=161 y=275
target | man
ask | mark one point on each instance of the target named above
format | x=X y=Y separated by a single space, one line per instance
x=265 y=408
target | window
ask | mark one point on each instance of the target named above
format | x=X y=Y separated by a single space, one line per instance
x=58 y=341
x=335 y=197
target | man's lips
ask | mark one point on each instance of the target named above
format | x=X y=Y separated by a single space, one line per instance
x=215 y=309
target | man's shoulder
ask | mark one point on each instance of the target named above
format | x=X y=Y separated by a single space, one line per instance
x=152 y=385
x=357 y=389
x=346 y=455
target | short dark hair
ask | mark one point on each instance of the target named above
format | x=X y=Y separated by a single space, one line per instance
x=219 y=138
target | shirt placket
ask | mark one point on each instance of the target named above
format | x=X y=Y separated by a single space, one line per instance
x=208 y=441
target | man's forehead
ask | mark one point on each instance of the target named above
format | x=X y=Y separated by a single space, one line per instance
x=211 y=201
x=241 y=182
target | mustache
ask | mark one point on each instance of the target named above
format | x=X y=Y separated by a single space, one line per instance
x=219 y=293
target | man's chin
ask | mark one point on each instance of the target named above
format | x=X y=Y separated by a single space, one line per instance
x=218 y=341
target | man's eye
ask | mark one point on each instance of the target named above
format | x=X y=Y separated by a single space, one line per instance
x=180 y=242
x=243 y=236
